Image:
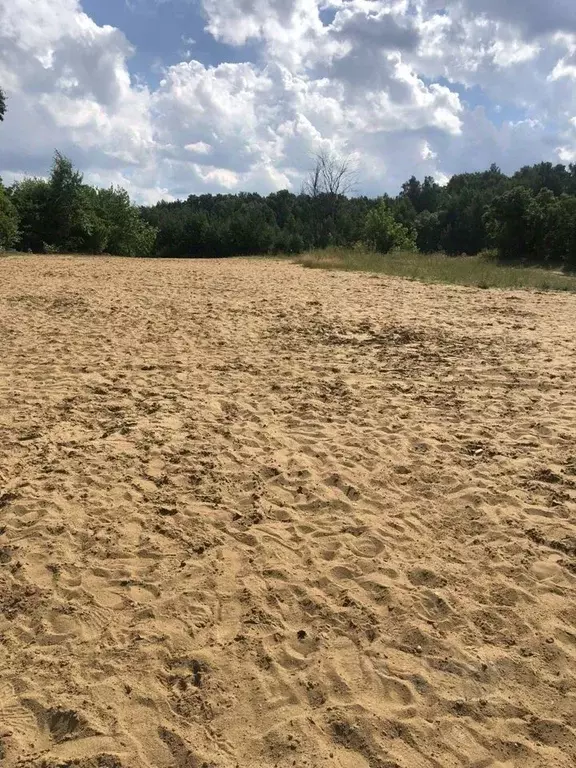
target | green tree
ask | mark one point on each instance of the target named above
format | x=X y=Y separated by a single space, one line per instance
x=8 y=220
x=537 y=228
x=553 y=225
x=428 y=232
x=68 y=227
x=564 y=231
x=122 y=230
x=423 y=196
x=66 y=214
x=430 y=196
x=383 y=233
x=555 y=178
x=463 y=206
x=412 y=191
x=402 y=209
x=31 y=198
x=510 y=223
x=531 y=216
x=251 y=230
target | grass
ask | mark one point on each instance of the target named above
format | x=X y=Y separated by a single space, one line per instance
x=477 y=271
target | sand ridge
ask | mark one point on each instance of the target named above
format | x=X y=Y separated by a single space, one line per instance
x=255 y=515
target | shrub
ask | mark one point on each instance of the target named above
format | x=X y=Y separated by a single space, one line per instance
x=8 y=221
x=384 y=234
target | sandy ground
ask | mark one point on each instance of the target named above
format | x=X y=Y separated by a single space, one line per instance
x=253 y=515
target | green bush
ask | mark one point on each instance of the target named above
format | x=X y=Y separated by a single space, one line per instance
x=538 y=228
x=384 y=234
x=64 y=215
x=8 y=221
x=30 y=197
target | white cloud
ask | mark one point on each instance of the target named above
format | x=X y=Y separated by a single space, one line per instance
x=382 y=79
x=290 y=29
x=566 y=66
x=68 y=85
x=199 y=147
x=567 y=150
x=533 y=17
x=426 y=151
x=220 y=176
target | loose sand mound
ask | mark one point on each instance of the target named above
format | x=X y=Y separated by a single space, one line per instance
x=254 y=516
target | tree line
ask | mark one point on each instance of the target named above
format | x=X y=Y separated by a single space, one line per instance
x=529 y=216
x=61 y=214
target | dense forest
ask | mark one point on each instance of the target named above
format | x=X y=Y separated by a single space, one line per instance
x=529 y=216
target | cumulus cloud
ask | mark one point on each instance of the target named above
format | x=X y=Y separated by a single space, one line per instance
x=387 y=79
x=532 y=17
x=199 y=147
x=68 y=86
x=289 y=29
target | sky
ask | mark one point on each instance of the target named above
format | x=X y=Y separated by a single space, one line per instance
x=175 y=97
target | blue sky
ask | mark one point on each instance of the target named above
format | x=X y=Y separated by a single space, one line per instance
x=230 y=95
x=167 y=32
x=162 y=34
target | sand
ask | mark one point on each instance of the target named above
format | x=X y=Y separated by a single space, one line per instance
x=253 y=515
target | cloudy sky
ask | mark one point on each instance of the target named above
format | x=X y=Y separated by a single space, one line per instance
x=172 y=97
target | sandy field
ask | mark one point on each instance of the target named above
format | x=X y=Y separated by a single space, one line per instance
x=257 y=516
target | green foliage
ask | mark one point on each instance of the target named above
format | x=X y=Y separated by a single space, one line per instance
x=226 y=225
x=384 y=234
x=31 y=199
x=424 y=196
x=530 y=217
x=8 y=221
x=533 y=228
x=428 y=232
x=402 y=210
x=508 y=221
x=556 y=178
x=69 y=214
x=64 y=215
x=462 y=210
x=118 y=227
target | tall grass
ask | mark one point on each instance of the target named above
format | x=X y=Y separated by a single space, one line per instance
x=479 y=271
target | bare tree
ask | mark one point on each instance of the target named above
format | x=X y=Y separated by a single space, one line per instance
x=2 y=105
x=331 y=175
x=327 y=183
x=312 y=185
